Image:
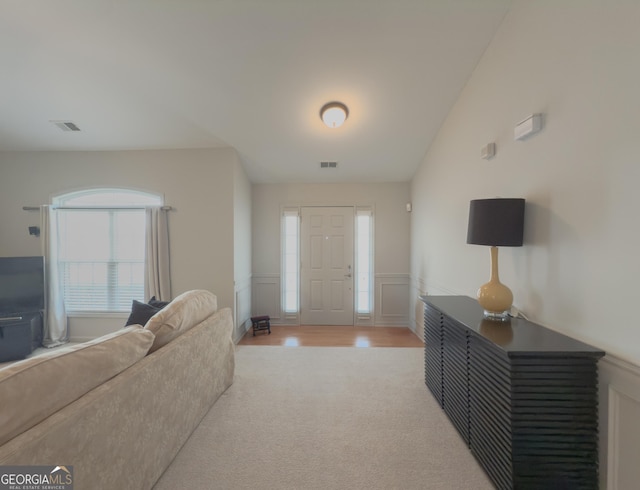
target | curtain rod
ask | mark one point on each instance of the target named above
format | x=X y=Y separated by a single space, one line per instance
x=37 y=208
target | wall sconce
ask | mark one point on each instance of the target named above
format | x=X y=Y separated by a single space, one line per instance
x=496 y=222
x=334 y=114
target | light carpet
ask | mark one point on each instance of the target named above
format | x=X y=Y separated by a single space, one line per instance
x=325 y=418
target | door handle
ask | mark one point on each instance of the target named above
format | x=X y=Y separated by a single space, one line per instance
x=347 y=275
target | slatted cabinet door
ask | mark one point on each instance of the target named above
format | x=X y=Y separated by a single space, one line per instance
x=455 y=375
x=433 y=351
x=554 y=421
x=490 y=411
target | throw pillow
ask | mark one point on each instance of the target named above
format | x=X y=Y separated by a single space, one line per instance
x=141 y=312
x=157 y=303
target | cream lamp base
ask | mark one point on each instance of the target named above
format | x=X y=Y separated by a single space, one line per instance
x=495 y=297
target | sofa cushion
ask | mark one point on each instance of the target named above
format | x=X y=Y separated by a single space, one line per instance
x=33 y=389
x=183 y=313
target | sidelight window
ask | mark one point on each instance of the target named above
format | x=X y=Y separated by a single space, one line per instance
x=364 y=261
x=291 y=259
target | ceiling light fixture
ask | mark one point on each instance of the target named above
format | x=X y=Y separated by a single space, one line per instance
x=333 y=114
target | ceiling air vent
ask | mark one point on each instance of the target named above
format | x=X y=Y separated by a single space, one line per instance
x=66 y=125
x=328 y=164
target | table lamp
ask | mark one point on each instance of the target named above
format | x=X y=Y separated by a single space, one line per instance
x=497 y=223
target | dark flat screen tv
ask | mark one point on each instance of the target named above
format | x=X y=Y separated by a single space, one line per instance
x=21 y=284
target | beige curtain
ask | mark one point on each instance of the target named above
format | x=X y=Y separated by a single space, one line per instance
x=56 y=330
x=157 y=278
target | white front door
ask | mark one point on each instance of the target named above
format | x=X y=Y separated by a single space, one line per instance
x=326 y=266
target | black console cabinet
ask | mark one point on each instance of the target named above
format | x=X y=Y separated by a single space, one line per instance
x=20 y=334
x=523 y=397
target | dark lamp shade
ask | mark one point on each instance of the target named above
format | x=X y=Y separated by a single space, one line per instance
x=496 y=222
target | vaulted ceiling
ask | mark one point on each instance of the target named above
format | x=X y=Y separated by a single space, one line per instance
x=250 y=74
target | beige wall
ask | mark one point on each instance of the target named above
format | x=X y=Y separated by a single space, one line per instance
x=391 y=218
x=197 y=183
x=578 y=269
x=391 y=224
x=242 y=223
x=578 y=63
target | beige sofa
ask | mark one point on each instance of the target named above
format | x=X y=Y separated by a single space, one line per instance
x=113 y=411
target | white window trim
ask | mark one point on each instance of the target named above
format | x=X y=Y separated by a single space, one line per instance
x=289 y=212
x=363 y=317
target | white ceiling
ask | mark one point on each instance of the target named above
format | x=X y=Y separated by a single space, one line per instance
x=251 y=74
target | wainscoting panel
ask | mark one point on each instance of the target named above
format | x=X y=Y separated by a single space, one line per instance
x=619 y=428
x=242 y=307
x=266 y=296
x=392 y=300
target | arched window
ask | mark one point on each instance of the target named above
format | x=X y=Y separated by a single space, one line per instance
x=101 y=240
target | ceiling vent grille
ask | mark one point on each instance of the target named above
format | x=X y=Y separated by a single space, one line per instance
x=328 y=164
x=66 y=125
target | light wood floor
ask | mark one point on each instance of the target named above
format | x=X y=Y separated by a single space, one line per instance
x=333 y=336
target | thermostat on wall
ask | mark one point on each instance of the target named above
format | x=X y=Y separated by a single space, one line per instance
x=528 y=126
x=488 y=151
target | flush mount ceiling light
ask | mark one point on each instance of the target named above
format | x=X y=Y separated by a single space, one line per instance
x=333 y=114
